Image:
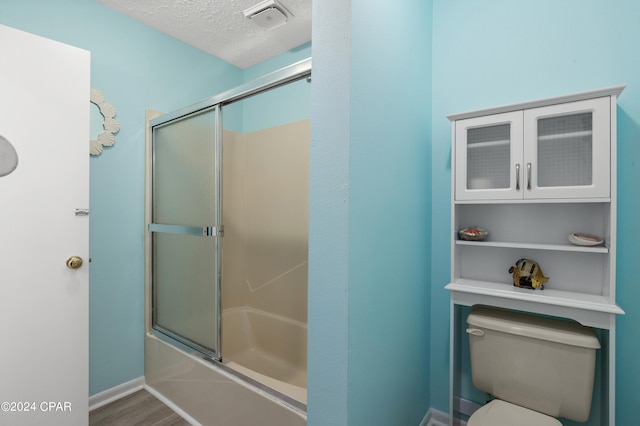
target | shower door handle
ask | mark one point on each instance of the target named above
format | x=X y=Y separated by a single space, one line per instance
x=199 y=231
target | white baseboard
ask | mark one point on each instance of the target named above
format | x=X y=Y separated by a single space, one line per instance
x=179 y=411
x=432 y=418
x=115 y=393
x=438 y=418
x=435 y=418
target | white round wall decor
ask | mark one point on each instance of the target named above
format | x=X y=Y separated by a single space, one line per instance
x=109 y=125
x=8 y=157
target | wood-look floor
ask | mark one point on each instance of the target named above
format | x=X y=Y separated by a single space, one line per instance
x=138 y=409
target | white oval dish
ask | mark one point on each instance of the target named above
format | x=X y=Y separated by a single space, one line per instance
x=581 y=239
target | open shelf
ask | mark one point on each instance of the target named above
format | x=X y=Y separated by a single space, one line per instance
x=589 y=309
x=592 y=302
x=535 y=246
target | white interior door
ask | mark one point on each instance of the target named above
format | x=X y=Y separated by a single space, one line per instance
x=44 y=118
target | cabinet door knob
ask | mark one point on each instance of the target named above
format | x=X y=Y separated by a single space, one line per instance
x=518 y=177
x=529 y=176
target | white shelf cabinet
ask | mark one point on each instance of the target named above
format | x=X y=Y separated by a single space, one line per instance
x=531 y=174
x=554 y=151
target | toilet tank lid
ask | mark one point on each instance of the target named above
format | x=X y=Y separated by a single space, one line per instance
x=533 y=326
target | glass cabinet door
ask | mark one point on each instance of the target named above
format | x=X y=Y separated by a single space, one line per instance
x=488 y=157
x=566 y=150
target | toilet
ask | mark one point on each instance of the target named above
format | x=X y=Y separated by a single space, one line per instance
x=536 y=368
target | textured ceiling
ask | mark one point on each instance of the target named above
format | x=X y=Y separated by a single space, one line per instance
x=220 y=28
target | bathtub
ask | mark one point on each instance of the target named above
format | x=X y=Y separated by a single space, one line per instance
x=267 y=348
x=268 y=352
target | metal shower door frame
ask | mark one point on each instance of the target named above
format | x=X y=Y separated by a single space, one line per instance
x=210 y=230
x=281 y=77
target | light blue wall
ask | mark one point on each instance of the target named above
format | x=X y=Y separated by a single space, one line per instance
x=370 y=214
x=273 y=64
x=494 y=52
x=136 y=67
x=283 y=105
x=390 y=212
x=277 y=107
x=329 y=199
x=380 y=173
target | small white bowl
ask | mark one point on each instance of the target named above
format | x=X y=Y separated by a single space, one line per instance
x=581 y=239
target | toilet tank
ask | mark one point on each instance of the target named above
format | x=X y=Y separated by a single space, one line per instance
x=544 y=364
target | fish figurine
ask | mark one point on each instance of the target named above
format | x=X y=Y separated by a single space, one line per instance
x=527 y=274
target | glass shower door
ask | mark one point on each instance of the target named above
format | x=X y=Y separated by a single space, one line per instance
x=185 y=260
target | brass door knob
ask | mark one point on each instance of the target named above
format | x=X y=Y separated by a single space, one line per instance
x=74 y=262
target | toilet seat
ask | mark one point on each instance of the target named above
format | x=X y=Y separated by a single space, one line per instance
x=497 y=413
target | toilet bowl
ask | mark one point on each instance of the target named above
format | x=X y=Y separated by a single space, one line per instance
x=536 y=368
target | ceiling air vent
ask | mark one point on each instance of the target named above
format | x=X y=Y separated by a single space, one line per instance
x=268 y=14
